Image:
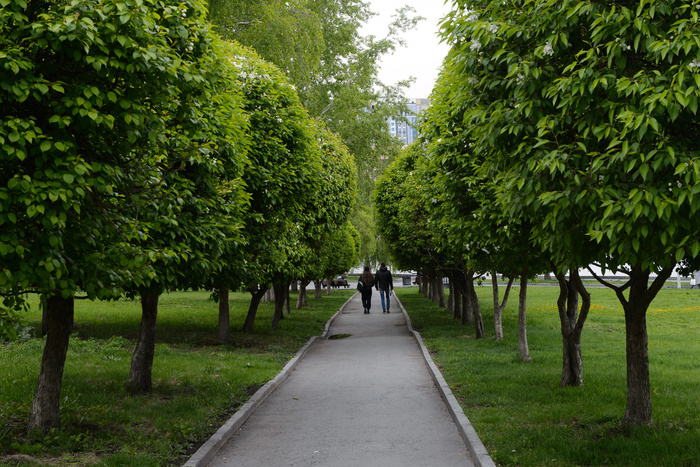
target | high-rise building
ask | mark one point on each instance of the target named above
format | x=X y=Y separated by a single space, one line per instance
x=405 y=128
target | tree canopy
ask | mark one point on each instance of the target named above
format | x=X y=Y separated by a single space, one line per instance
x=580 y=116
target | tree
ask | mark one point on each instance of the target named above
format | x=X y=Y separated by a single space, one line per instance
x=326 y=206
x=336 y=74
x=286 y=33
x=196 y=216
x=284 y=165
x=588 y=110
x=331 y=241
x=88 y=91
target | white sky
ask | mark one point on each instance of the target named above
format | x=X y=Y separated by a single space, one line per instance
x=423 y=54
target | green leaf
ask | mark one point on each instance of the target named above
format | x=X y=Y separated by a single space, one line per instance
x=68 y=178
x=644 y=171
x=45 y=146
x=680 y=254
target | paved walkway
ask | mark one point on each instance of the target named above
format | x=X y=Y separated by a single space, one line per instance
x=368 y=399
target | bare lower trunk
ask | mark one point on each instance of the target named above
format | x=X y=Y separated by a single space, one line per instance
x=287 y=308
x=572 y=364
x=295 y=286
x=255 y=296
x=458 y=310
x=422 y=284
x=269 y=295
x=437 y=283
x=317 y=286
x=451 y=297
x=473 y=303
x=498 y=306
x=440 y=292
x=279 y=287
x=328 y=286
x=638 y=410
x=467 y=312
x=523 y=349
x=462 y=290
x=223 y=335
x=572 y=322
x=142 y=360
x=301 y=299
x=44 y=413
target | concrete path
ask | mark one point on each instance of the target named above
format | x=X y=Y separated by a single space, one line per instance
x=364 y=400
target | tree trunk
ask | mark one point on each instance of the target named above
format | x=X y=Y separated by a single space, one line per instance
x=466 y=303
x=437 y=285
x=523 y=350
x=223 y=335
x=467 y=310
x=458 y=310
x=269 y=295
x=473 y=304
x=435 y=294
x=499 y=307
x=142 y=360
x=441 y=292
x=451 y=297
x=44 y=321
x=279 y=287
x=255 y=296
x=45 y=413
x=295 y=286
x=318 y=285
x=287 y=308
x=328 y=286
x=572 y=322
x=301 y=299
x=638 y=410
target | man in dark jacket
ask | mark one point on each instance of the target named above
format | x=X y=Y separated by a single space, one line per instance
x=385 y=284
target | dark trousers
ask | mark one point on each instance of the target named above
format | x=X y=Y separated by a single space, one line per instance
x=367 y=298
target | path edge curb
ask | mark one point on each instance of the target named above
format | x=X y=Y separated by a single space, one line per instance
x=211 y=447
x=476 y=447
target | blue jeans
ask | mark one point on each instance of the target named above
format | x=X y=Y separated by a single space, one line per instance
x=388 y=302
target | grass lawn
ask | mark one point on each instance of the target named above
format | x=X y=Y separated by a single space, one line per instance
x=522 y=415
x=197 y=384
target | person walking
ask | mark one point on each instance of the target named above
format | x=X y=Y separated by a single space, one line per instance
x=385 y=286
x=367 y=281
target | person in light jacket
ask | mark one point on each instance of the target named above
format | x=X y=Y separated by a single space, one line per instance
x=385 y=285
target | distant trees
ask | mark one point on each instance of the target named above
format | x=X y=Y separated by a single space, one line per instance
x=578 y=119
x=140 y=152
x=318 y=45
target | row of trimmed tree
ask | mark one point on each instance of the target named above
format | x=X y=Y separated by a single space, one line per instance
x=562 y=134
x=139 y=153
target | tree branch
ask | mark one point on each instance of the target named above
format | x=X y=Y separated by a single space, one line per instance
x=608 y=284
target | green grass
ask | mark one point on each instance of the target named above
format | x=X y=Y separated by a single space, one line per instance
x=522 y=415
x=197 y=385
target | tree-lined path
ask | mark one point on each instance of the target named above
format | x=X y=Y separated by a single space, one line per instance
x=366 y=399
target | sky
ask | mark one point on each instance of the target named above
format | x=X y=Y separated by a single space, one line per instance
x=423 y=54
